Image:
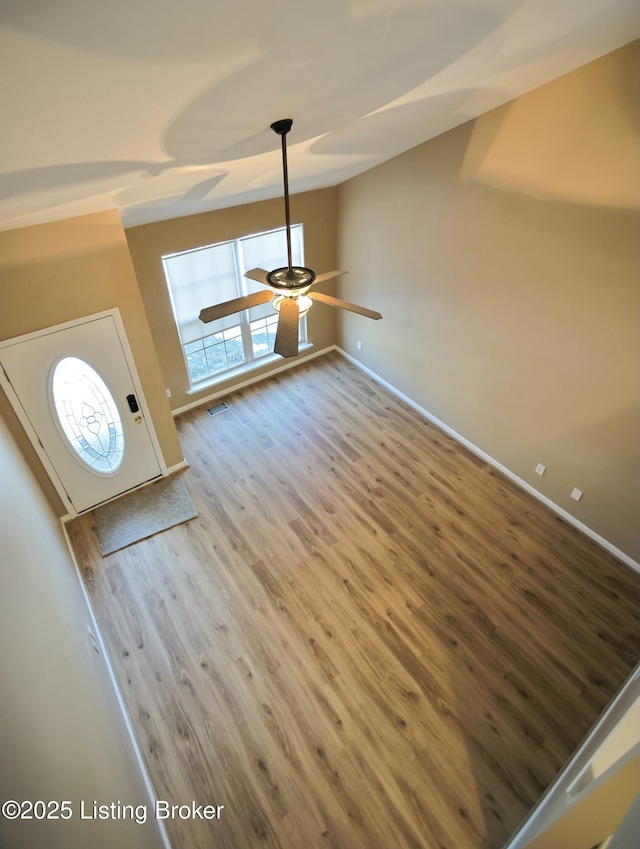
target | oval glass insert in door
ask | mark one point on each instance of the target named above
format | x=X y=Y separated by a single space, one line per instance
x=88 y=415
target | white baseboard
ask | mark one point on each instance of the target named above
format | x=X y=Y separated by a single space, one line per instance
x=585 y=529
x=178 y=467
x=256 y=378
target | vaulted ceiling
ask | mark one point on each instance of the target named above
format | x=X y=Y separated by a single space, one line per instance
x=162 y=108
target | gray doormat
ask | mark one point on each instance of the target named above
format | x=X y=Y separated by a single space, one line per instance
x=141 y=514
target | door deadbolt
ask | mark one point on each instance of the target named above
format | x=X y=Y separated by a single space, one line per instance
x=138 y=419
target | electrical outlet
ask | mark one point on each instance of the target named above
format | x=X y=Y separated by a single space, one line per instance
x=540 y=469
x=576 y=494
x=359 y=345
x=168 y=391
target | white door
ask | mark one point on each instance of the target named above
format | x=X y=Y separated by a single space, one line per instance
x=76 y=389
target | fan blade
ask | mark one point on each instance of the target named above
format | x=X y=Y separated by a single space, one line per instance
x=345 y=305
x=258 y=274
x=328 y=275
x=235 y=305
x=287 y=333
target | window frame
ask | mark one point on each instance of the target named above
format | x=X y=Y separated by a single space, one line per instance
x=251 y=360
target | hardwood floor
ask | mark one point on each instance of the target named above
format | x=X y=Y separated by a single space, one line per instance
x=367 y=639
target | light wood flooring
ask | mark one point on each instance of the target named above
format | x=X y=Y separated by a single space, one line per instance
x=368 y=639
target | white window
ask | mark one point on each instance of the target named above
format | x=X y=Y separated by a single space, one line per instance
x=214 y=274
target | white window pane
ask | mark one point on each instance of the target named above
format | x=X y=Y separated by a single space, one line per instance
x=263 y=336
x=265 y=250
x=262 y=311
x=213 y=275
x=198 y=279
x=220 y=325
x=269 y=250
x=197 y=365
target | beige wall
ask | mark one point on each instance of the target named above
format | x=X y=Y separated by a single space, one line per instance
x=62 y=735
x=504 y=258
x=57 y=272
x=150 y=242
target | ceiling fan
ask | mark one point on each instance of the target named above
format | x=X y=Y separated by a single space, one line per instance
x=289 y=286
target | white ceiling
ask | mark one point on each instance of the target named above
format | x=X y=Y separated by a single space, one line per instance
x=162 y=107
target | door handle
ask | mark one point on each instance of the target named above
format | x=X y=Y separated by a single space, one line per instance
x=133 y=404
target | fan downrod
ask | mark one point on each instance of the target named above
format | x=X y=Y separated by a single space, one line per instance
x=292 y=277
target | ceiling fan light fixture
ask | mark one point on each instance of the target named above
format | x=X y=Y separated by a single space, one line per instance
x=289 y=285
x=304 y=303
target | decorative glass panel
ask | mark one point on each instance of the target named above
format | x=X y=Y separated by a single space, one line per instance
x=88 y=415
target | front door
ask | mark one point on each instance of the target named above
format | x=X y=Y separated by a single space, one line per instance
x=82 y=403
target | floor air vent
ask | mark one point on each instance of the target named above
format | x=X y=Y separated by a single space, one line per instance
x=217 y=408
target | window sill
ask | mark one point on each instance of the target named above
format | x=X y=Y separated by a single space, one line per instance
x=238 y=371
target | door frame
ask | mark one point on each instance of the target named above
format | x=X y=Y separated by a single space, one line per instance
x=11 y=394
